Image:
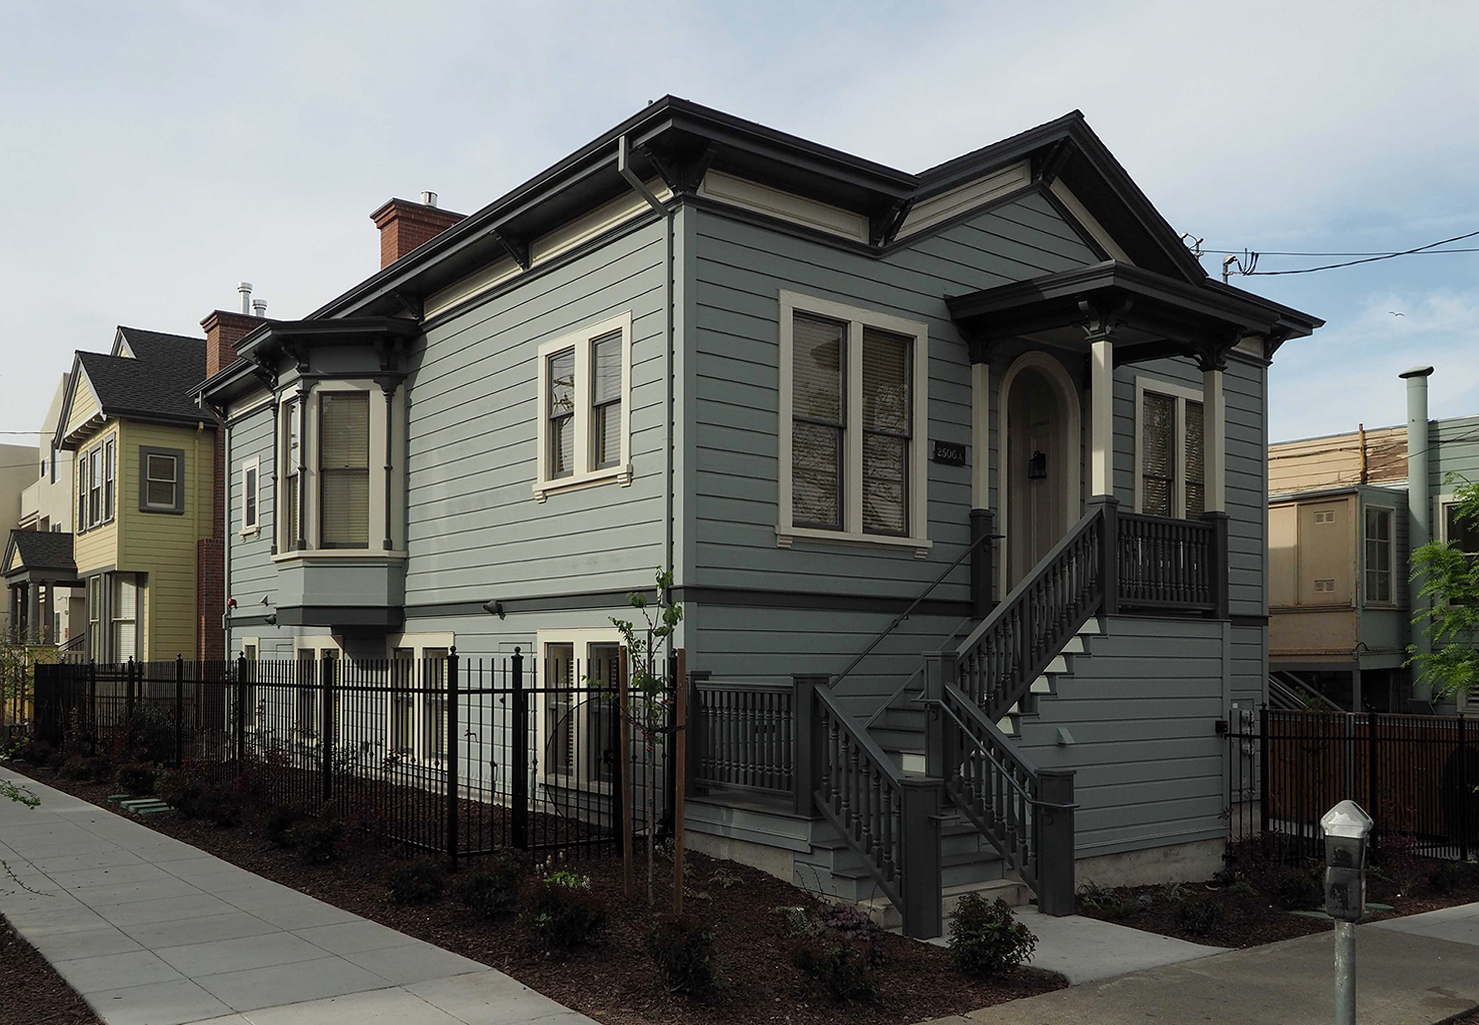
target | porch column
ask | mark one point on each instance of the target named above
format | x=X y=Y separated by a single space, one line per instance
x=1214 y=435
x=983 y=524
x=33 y=613
x=1101 y=417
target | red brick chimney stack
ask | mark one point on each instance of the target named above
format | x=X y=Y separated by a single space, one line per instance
x=223 y=330
x=405 y=225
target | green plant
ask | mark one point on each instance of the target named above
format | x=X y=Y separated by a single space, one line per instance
x=417 y=882
x=135 y=778
x=84 y=768
x=279 y=819
x=683 y=948
x=1199 y=915
x=220 y=803
x=317 y=839
x=840 y=966
x=986 y=938
x=493 y=888
x=1114 y=904
x=182 y=790
x=1445 y=877
x=1298 y=890
x=724 y=879
x=35 y=752
x=1171 y=893
x=1243 y=888
x=647 y=688
x=561 y=911
x=794 y=922
x=1448 y=581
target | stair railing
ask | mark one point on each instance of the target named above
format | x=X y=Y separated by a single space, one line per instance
x=998 y=662
x=892 y=821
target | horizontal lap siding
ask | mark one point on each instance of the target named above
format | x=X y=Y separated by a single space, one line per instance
x=253 y=575
x=1142 y=712
x=475 y=530
x=1249 y=665
x=1454 y=448
x=737 y=271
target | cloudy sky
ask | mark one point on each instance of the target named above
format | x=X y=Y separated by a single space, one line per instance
x=155 y=153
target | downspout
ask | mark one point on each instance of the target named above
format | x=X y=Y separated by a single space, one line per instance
x=1419 y=502
x=623 y=165
x=223 y=438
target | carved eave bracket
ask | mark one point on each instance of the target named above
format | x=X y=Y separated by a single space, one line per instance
x=517 y=249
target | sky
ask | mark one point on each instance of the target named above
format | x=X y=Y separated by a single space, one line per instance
x=153 y=154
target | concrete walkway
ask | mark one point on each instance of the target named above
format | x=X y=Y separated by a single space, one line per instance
x=1411 y=971
x=152 y=931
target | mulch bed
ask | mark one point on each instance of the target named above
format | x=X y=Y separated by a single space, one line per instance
x=1252 y=901
x=31 y=992
x=615 y=981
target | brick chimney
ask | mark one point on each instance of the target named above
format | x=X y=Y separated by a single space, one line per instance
x=405 y=225
x=223 y=330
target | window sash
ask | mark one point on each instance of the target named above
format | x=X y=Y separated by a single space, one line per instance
x=109 y=477
x=1170 y=453
x=95 y=485
x=819 y=371
x=161 y=479
x=290 y=453
x=584 y=419
x=249 y=497
x=561 y=401
x=344 y=469
x=888 y=419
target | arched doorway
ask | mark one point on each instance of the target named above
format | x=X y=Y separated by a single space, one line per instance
x=1039 y=473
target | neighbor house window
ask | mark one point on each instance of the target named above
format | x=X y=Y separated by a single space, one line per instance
x=83 y=523
x=853 y=397
x=95 y=486
x=1170 y=450
x=250 y=495
x=109 y=477
x=125 y=614
x=161 y=480
x=585 y=416
x=344 y=469
x=1378 y=554
x=94 y=617
x=577 y=715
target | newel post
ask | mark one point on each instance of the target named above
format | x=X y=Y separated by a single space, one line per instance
x=939 y=669
x=1218 y=557
x=983 y=526
x=1109 y=551
x=1053 y=825
x=808 y=754
x=923 y=898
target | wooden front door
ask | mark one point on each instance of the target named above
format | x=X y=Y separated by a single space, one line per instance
x=1036 y=462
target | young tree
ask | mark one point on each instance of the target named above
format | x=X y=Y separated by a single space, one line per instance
x=648 y=645
x=1449 y=580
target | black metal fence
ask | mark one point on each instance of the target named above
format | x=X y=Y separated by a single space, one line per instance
x=1417 y=776
x=451 y=755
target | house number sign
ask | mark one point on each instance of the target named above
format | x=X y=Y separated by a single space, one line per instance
x=950 y=453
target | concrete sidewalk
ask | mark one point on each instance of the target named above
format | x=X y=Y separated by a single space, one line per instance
x=152 y=931
x=1413 y=971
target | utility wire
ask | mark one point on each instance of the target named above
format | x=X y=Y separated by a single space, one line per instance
x=1383 y=252
x=1430 y=249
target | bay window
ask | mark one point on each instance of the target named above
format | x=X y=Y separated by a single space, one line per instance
x=854 y=394
x=584 y=423
x=344 y=470
x=291 y=454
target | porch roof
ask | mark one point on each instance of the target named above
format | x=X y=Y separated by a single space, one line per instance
x=1148 y=315
x=40 y=556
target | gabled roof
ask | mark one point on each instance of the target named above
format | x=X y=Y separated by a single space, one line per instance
x=157 y=385
x=157 y=346
x=36 y=551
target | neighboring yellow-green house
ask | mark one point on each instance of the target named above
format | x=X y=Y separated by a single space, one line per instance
x=148 y=534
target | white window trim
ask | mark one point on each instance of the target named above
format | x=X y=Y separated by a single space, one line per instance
x=418 y=643
x=852 y=533
x=255 y=643
x=253 y=464
x=318 y=645
x=580 y=341
x=1182 y=394
x=580 y=640
x=1391 y=512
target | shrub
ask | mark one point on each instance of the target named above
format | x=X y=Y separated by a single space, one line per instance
x=985 y=938
x=417 y=882
x=1445 y=877
x=84 y=769
x=562 y=912
x=1199 y=916
x=1243 y=888
x=135 y=778
x=279 y=819
x=181 y=790
x=1299 y=890
x=839 y=965
x=794 y=922
x=317 y=839
x=35 y=752
x=494 y=888
x=684 y=951
x=219 y=803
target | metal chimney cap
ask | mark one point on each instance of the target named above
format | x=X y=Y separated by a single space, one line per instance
x=428 y=199
x=243 y=286
x=1416 y=372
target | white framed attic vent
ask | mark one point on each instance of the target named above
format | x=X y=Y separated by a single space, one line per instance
x=1325 y=586
x=1325 y=516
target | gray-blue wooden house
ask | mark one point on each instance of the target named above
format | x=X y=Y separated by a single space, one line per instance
x=960 y=474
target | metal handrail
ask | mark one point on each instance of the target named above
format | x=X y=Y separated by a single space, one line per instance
x=901 y=688
x=914 y=605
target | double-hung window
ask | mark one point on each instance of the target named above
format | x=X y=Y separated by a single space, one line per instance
x=97 y=476
x=1170 y=450
x=161 y=480
x=584 y=430
x=1457 y=530
x=110 y=475
x=95 y=485
x=94 y=618
x=1378 y=555
x=577 y=711
x=292 y=476
x=344 y=469
x=418 y=699
x=251 y=495
x=125 y=614
x=853 y=413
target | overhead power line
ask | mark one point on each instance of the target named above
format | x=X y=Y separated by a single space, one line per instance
x=1245 y=261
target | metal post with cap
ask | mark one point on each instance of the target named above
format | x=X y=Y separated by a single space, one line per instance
x=1347 y=828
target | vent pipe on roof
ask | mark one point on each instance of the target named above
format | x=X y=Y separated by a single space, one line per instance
x=428 y=199
x=1419 y=501
x=245 y=289
x=259 y=308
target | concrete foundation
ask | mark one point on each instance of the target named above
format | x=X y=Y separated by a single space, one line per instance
x=1176 y=863
x=770 y=860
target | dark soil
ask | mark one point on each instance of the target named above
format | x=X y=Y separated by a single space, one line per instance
x=1254 y=904
x=31 y=992
x=614 y=980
